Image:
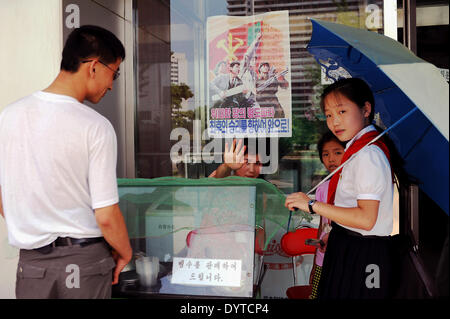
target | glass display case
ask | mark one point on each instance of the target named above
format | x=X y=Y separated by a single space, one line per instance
x=203 y=237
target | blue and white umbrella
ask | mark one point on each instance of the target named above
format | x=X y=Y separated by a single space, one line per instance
x=401 y=82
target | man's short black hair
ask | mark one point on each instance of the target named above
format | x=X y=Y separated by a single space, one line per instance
x=262 y=64
x=90 y=41
x=233 y=63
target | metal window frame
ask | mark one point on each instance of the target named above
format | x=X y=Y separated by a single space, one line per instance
x=130 y=75
x=409 y=28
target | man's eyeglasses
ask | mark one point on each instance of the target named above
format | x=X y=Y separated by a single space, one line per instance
x=116 y=73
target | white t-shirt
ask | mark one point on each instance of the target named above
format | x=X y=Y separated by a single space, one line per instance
x=57 y=164
x=368 y=176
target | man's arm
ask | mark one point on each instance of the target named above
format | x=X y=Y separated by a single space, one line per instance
x=218 y=85
x=223 y=171
x=282 y=82
x=112 y=224
x=249 y=54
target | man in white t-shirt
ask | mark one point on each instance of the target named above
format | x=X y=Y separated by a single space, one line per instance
x=58 y=187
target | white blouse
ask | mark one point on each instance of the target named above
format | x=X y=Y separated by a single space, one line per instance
x=367 y=176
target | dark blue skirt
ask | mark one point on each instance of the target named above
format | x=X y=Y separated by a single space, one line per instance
x=357 y=267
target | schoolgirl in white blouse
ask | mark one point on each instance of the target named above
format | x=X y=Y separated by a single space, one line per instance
x=358 y=262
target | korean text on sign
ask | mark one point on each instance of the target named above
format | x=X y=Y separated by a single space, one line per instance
x=207 y=272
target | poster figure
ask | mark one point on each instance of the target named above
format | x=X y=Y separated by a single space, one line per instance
x=249 y=76
x=228 y=88
x=267 y=87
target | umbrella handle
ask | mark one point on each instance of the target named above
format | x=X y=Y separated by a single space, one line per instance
x=289 y=221
x=290 y=216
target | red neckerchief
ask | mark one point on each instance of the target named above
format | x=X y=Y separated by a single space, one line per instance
x=355 y=147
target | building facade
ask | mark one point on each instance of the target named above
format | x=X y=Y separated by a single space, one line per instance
x=166 y=44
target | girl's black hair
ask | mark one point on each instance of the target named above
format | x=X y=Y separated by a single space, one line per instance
x=354 y=89
x=359 y=92
x=327 y=137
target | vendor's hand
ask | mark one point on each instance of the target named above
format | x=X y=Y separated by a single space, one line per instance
x=297 y=200
x=233 y=156
x=325 y=240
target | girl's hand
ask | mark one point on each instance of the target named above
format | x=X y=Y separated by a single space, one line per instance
x=297 y=200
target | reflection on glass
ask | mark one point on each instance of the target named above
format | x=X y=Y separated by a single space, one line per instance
x=173 y=78
x=153 y=84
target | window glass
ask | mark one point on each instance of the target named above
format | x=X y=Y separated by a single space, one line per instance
x=174 y=83
x=189 y=238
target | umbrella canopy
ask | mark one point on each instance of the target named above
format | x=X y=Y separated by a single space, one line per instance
x=400 y=82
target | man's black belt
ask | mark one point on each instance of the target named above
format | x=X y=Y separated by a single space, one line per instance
x=68 y=241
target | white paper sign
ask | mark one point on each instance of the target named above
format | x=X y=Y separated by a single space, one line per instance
x=206 y=272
